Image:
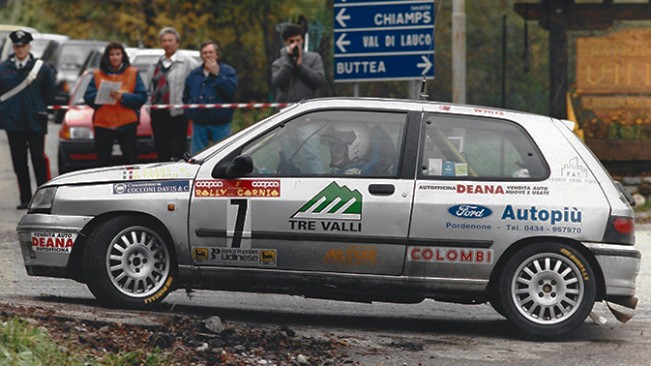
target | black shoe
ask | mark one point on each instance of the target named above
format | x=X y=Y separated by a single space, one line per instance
x=22 y=206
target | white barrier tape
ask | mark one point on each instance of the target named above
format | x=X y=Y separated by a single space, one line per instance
x=194 y=106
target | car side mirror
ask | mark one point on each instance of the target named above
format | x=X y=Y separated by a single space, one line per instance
x=239 y=166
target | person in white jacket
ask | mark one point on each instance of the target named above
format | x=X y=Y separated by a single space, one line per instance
x=169 y=126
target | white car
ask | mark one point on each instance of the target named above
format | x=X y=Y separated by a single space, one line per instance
x=355 y=199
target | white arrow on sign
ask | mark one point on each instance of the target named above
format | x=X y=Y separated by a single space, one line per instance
x=342 y=41
x=427 y=65
x=341 y=17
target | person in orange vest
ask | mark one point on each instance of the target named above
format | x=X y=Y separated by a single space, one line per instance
x=116 y=92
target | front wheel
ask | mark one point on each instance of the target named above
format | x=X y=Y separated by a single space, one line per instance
x=128 y=263
x=547 y=289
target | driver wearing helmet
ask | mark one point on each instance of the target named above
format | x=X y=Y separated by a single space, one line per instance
x=357 y=150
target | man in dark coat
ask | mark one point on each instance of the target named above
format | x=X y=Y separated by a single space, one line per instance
x=297 y=74
x=23 y=112
x=212 y=82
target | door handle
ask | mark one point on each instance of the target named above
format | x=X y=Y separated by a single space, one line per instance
x=381 y=189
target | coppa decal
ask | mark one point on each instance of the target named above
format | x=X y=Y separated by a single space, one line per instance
x=53 y=242
x=172 y=186
x=335 y=208
x=450 y=255
x=236 y=256
x=237 y=188
x=354 y=255
x=132 y=173
x=565 y=216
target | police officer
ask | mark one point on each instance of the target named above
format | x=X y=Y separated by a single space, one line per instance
x=26 y=89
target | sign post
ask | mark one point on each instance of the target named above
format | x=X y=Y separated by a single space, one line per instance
x=383 y=40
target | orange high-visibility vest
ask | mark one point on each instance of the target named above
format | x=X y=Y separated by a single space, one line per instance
x=116 y=115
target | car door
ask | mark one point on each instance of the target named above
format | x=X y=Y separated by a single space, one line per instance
x=471 y=170
x=306 y=206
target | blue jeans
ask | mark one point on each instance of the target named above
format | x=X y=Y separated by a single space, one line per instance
x=206 y=135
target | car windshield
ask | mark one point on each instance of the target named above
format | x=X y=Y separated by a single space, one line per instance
x=78 y=96
x=39 y=46
x=73 y=56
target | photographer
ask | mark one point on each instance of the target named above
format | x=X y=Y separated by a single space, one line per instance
x=297 y=73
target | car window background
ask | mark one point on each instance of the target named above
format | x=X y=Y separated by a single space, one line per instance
x=470 y=147
x=78 y=94
x=311 y=145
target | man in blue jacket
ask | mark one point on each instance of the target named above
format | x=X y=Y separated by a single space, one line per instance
x=23 y=112
x=213 y=82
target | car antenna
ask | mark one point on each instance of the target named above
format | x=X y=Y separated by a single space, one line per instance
x=423 y=86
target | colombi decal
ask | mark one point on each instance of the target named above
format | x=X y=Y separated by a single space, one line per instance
x=334 y=202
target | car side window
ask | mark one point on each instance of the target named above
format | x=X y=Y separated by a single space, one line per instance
x=474 y=147
x=331 y=143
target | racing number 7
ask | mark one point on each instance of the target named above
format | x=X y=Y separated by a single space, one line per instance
x=242 y=206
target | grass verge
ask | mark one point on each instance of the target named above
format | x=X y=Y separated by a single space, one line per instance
x=24 y=343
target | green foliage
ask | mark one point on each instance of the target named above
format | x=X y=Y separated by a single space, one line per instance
x=247 y=31
x=23 y=344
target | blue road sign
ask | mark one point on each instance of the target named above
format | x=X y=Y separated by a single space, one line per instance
x=384 y=67
x=383 y=40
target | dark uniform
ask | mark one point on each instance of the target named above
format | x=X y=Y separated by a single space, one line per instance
x=24 y=116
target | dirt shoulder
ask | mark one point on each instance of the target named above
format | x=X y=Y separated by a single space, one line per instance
x=187 y=339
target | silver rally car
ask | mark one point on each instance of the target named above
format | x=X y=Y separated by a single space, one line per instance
x=359 y=200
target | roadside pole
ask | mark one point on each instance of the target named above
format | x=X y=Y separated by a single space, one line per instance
x=458 y=51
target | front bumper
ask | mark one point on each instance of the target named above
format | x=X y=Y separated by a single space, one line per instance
x=80 y=154
x=47 y=242
x=620 y=265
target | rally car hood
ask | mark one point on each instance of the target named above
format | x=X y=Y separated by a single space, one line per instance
x=139 y=172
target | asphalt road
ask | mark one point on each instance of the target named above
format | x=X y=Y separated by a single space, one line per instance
x=428 y=333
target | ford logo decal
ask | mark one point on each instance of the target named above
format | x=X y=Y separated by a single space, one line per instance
x=467 y=211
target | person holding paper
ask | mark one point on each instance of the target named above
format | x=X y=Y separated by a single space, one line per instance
x=116 y=92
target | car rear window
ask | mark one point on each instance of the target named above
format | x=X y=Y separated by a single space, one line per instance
x=466 y=147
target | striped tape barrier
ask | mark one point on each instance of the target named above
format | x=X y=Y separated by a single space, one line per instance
x=194 y=106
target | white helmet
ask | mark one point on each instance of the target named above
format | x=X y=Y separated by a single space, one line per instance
x=355 y=136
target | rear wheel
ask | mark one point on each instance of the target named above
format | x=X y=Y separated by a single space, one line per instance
x=547 y=289
x=128 y=263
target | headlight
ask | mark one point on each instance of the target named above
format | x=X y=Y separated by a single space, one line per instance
x=81 y=133
x=42 y=200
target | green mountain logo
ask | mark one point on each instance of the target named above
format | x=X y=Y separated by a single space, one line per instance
x=334 y=202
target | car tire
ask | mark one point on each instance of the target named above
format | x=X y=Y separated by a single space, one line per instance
x=128 y=263
x=496 y=304
x=61 y=163
x=547 y=289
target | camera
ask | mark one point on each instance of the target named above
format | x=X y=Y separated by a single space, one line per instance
x=294 y=55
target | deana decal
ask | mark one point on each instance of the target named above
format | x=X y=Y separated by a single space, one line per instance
x=533 y=213
x=53 y=242
x=466 y=211
x=479 y=189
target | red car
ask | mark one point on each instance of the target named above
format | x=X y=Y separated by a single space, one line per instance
x=76 y=146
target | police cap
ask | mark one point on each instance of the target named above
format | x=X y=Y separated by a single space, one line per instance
x=20 y=37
